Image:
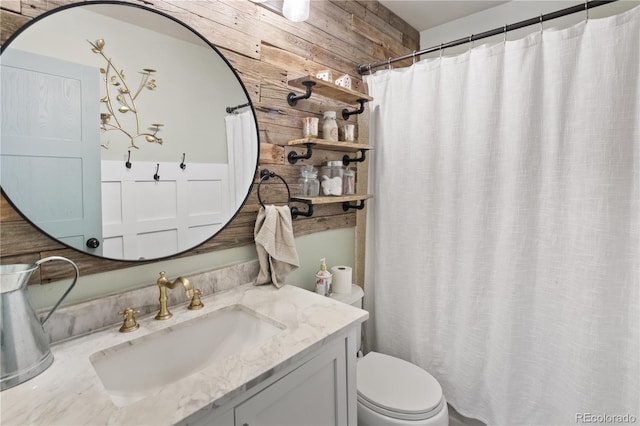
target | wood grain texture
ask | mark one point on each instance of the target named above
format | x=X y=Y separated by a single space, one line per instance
x=267 y=51
x=10 y=21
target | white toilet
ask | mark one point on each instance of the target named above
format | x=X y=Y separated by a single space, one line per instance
x=392 y=391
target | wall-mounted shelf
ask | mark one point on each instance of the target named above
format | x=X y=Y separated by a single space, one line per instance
x=327 y=89
x=331 y=145
x=293 y=156
x=346 y=200
x=330 y=90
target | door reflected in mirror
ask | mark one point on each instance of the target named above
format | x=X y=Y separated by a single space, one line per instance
x=84 y=111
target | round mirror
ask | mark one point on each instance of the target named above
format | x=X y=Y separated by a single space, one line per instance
x=124 y=133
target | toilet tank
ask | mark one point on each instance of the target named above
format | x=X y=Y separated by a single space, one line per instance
x=354 y=299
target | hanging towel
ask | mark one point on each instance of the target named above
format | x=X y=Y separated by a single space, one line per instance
x=276 y=247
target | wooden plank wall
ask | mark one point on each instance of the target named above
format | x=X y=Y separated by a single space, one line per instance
x=266 y=50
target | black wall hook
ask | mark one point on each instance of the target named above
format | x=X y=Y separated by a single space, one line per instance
x=156 y=177
x=128 y=163
x=182 y=165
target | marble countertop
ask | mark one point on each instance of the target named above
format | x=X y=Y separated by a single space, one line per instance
x=70 y=392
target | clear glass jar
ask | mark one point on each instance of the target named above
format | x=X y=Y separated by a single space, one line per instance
x=329 y=126
x=309 y=183
x=349 y=182
x=331 y=178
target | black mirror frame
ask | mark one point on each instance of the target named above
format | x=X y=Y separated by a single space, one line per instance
x=215 y=49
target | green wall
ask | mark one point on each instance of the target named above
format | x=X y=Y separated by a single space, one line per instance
x=338 y=246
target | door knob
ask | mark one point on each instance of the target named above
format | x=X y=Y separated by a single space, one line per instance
x=93 y=243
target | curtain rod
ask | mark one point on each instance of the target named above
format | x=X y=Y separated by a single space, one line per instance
x=503 y=30
x=237 y=107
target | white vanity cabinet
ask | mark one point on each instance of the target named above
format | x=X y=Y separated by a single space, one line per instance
x=315 y=394
x=319 y=389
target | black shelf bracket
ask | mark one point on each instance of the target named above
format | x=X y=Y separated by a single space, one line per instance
x=293 y=156
x=346 y=113
x=295 y=212
x=346 y=160
x=346 y=206
x=292 y=99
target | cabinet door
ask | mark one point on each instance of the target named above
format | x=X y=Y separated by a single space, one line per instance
x=313 y=394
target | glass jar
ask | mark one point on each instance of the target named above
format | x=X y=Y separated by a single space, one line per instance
x=329 y=126
x=349 y=182
x=331 y=178
x=309 y=183
x=310 y=127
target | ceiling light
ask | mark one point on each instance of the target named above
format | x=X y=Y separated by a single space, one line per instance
x=296 y=10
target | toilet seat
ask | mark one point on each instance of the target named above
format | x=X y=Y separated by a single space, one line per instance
x=397 y=388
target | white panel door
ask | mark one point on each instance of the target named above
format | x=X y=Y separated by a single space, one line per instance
x=50 y=158
x=146 y=219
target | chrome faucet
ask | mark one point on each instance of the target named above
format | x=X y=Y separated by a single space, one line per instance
x=163 y=285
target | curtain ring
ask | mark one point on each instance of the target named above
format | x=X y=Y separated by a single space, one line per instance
x=586 y=10
x=414 y=57
x=505 y=34
x=470 y=42
x=389 y=63
x=369 y=69
x=541 y=26
x=441 y=50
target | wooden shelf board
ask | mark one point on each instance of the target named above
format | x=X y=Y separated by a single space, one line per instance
x=335 y=146
x=330 y=199
x=330 y=90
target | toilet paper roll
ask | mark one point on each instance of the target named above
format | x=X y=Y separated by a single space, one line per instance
x=342 y=278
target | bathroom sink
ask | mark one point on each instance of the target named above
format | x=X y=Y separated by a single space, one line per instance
x=141 y=367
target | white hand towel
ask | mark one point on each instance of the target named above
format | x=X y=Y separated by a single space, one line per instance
x=275 y=244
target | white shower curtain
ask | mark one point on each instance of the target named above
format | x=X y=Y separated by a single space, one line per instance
x=503 y=237
x=242 y=152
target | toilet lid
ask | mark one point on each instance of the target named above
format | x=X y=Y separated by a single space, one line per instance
x=397 y=386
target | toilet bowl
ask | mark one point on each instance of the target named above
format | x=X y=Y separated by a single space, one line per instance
x=392 y=391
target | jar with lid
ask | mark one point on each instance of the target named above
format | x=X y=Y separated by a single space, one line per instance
x=331 y=178
x=349 y=182
x=309 y=183
x=329 y=126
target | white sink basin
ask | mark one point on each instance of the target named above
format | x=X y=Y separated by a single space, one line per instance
x=141 y=367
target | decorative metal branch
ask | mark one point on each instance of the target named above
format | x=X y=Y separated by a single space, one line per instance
x=115 y=81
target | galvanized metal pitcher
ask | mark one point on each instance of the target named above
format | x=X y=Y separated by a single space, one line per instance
x=24 y=345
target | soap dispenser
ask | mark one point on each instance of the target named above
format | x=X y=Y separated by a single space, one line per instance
x=323 y=279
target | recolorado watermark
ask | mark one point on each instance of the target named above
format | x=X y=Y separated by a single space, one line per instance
x=605 y=418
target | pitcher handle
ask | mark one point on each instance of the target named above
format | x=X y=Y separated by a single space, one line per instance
x=75 y=267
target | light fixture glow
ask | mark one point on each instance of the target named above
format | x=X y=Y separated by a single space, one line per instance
x=296 y=10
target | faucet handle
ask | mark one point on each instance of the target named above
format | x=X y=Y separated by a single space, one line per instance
x=130 y=323
x=196 y=303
